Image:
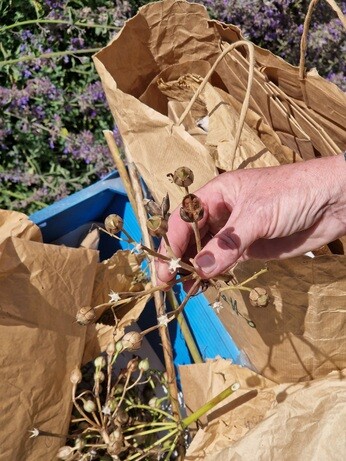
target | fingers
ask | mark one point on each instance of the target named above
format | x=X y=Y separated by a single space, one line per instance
x=226 y=247
x=181 y=236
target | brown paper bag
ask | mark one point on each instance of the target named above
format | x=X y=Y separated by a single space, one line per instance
x=300 y=334
x=42 y=287
x=290 y=422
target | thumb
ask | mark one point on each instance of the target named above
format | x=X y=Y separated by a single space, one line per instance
x=226 y=247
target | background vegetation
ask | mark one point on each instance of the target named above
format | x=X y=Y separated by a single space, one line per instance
x=52 y=107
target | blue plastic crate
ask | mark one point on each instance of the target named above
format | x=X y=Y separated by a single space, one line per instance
x=59 y=221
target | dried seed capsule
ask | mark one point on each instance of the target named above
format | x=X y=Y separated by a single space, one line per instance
x=113 y=223
x=79 y=443
x=116 y=435
x=144 y=365
x=191 y=208
x=85 y=315
x=165 y=206
x=99 y=376
x=157 y=226
x=132 y=341
x=259 y=297
x=183 y=176
x=89 y=406
x=64 y=452
x=152 y=207
x=76 y=376
x=100 y=362
x=154 y=402
x=122 y=417
x=132 y=365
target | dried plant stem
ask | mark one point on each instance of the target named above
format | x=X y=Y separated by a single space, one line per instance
x=245 y=105
x=197 y=236
x=113 y=148
x=168 y=247
x=241 y=286
x=189 y=339
x=158 y=299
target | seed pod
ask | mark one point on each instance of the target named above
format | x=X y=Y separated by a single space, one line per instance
x=144 y=365
x=76 y=376
x=85 y=315
x=113 y=223
x=132 y=365
x=152 y=207
x=110 y=349
x=192 y=209
x=89 y=406
x=111 y=403
x=132 y=341
x=79 y=443
x=154 y=402
x=183 y=176
x=118 y=389
x=64 y=452
x=122 y=417
x=165 y=206
x=99 y=376
x=119 y=346
x=100 y=362
x=157 y=226
x=116 y=435
x=259 y=297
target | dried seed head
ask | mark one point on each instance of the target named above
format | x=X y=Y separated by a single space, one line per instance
x=110 y=349
x=154 y=402
x=152 y=207
x=113 y=223
x=64 y=452
x=89 y=406
x=99 y=376
x=144 y=365
x=122 y=417
x=76 y=376
x=191 y=208
x=79 y=443
x=157 y=226
x=119 y=346
x=259 y=297
x=165 y=206
x=183 y=176
x=132 y=365
x=100 y=362
x=132 y=341
x=118 y=389
x=85 y=315
x=116 y=435
x=112 y=403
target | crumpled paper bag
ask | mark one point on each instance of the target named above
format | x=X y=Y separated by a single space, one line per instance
x=175 y=37
x=298 y=422
x=42 y=287
x=300 y=335
x=119 y=274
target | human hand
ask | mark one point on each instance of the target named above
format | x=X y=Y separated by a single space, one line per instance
x=265 y=213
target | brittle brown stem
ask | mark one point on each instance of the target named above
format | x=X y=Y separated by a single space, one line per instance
x=158 y=299
x=197 y=236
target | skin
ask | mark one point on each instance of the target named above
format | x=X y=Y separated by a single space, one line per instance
x=265 y=213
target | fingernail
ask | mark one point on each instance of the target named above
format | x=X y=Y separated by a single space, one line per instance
x=206 y=262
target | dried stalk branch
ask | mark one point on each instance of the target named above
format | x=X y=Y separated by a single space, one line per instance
x=158 y=298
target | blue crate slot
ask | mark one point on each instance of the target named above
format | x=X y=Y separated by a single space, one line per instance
x=92 y=205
